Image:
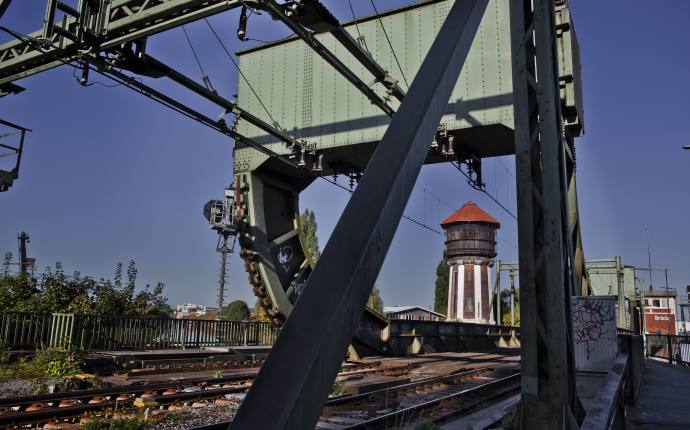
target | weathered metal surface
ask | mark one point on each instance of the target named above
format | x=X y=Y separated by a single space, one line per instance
x=594 y=332
x=290 y=388
x=112 y=24
x=306 y=97
x=546 y=283
x=607 y=411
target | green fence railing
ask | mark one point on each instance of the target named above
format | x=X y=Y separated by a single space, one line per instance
x=21 y=330
x=95 y=332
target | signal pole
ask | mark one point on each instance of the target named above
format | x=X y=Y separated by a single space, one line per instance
x=220 y=215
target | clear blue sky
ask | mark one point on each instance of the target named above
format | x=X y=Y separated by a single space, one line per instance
x=109 y=175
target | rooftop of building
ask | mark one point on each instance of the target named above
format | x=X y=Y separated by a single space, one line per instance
x=398 y=309
x=470 y=212
x=660 y=293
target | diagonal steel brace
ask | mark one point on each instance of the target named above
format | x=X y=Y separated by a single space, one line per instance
x=293 y=383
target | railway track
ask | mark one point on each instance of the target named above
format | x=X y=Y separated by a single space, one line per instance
x=434 y=399
x=69 y=406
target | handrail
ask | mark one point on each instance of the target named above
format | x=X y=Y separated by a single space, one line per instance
x=605 y=407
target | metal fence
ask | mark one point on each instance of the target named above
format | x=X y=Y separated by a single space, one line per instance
x=19 y=330
x=94 y=332
x=659 y=346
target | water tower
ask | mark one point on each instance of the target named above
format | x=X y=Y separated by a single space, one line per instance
x=470 y=248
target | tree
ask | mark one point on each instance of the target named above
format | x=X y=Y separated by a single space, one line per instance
x=131 y=275
x=7 y=261
x=236 y=311
x=118 y=276
x=505 y=307
x=374 y=302
x=260 y=313
x=441 y=290
x=308 y=228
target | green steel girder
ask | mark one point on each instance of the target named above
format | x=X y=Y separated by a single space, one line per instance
x=113 y=24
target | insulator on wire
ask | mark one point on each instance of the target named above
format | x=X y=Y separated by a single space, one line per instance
x=443 y=148
x=301 y=159
x=84 y=78
x=318 y=166
x=242 y=28
x=451 y=139
x=434 y=143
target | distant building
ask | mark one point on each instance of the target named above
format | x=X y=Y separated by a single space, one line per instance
x=470 y=249
x=416 y=313
x=660 y=311
x=195 y=312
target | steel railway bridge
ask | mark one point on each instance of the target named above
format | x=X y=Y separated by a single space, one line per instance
x=489 y=78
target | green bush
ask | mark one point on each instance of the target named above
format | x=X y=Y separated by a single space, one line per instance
x=117 y=424
x=58 y=362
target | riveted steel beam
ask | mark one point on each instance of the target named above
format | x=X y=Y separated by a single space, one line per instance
x=295 y=379
x=318 y=47
x=111 y=24
x=546 y=255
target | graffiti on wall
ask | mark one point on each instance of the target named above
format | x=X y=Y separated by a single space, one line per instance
x=593 y=323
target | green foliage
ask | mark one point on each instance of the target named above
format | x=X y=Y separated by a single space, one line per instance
x=308 y=228
x=23 y=369
x=374 y=302
x=259 y=312
x=6 y=262
x=56 y=292
x=131 y=423
x=505 y=307
x=338 y=389
x=441 y=290
x=236 y=311
x=47 y=363
x=58 y=362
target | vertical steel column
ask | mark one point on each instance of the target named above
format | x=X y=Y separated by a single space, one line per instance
x=546 y=283
x=293 y=383
x=499 y=320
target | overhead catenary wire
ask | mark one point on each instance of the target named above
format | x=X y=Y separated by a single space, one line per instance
x=360 y=38
x=220 y=41
x=204 y=75
x=378 y=16
x=483 y=190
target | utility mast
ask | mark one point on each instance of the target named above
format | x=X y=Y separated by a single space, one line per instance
x=25 y=263
x=221 y=218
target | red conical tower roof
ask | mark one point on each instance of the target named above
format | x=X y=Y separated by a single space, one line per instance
x=470 y=212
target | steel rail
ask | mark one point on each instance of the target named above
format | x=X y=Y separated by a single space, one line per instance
x=431 y=403
x=416 y=384
x=52 y=412
x=358 y=369
x=127 y=389
x=224 y=425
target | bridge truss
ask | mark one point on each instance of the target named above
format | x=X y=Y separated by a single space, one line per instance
x=107 y=37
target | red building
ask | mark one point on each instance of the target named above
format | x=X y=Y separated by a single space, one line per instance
x=660 y=311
